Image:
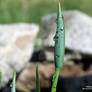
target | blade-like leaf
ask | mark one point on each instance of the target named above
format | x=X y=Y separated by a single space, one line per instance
x=59 y=49
x=0 y=77
x=37 y=81
x=13 y=83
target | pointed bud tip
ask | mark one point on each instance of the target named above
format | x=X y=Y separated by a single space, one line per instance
x=59 y=9
x=59 y=4
x=14 y=73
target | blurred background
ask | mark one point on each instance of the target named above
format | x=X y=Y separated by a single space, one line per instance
x=27 y=28
x=12 y=11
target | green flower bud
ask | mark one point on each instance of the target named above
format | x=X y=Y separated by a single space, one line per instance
x=59 y=49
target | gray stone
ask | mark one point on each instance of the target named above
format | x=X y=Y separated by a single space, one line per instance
x=78 y=31
x=16 y=47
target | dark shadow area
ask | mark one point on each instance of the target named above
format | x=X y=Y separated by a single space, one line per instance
x=87 y=62
x=71 y=84
x=38 y=56
x=80 y=84
x=74 y=84
x=8 y=89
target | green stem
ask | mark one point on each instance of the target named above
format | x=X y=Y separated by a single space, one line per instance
x=37 y=80
x=13 y=83
x=0 y=78
x=55 y=80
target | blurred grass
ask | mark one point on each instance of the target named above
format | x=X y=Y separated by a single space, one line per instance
x=83 y=5
x=12 y=11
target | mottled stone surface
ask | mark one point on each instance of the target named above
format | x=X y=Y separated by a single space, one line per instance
x=16 y=47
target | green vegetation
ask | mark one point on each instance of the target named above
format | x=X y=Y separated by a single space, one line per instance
x=12 y=11
x=59 y=49
x=13 y=83
x=13 y=86
x=0 y=77
x=37 y=81
x=83 y=5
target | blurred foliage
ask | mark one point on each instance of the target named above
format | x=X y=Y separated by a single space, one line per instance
x=12 y=11
x=83 y=5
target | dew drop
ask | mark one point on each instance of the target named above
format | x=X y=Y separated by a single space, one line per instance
x=57 y=56
x=62 y=28
x=56 y=37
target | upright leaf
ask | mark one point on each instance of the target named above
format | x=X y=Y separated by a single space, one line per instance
x=0 y=78
x=59 y=49
x=13 y=83
x=37 y=81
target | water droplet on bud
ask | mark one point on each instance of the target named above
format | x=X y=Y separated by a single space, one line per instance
x=57 y=56
x=62 y=28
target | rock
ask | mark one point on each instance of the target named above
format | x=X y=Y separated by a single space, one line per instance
x=27 y=78
x=78 y=31
x=16 y=47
